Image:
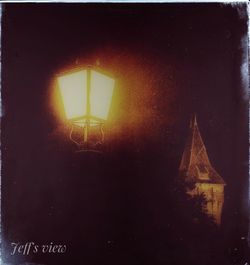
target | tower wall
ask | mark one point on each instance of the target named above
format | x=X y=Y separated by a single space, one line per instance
x=214 y=194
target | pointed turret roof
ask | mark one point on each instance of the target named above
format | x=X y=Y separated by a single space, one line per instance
x=195 y=163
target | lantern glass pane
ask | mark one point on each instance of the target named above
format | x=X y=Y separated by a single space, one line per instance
x=100 y=94
x=73 y=88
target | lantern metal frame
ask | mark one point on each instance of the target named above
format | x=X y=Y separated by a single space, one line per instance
x=87 y=121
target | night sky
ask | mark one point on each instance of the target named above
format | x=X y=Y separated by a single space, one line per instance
x=169 y=61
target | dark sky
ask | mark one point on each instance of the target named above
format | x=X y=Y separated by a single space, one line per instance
x=169 y=60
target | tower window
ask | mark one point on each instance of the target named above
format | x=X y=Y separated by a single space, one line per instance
x=203 y=172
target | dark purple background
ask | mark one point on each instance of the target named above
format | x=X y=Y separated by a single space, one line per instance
x=46 y=189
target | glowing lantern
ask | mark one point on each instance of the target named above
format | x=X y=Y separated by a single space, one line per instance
x=86 y=97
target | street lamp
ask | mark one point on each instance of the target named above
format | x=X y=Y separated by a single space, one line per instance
x=86 y=96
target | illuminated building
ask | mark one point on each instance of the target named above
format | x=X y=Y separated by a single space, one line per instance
x=196 y=168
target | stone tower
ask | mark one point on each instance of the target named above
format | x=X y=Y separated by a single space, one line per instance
x=196 y=167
